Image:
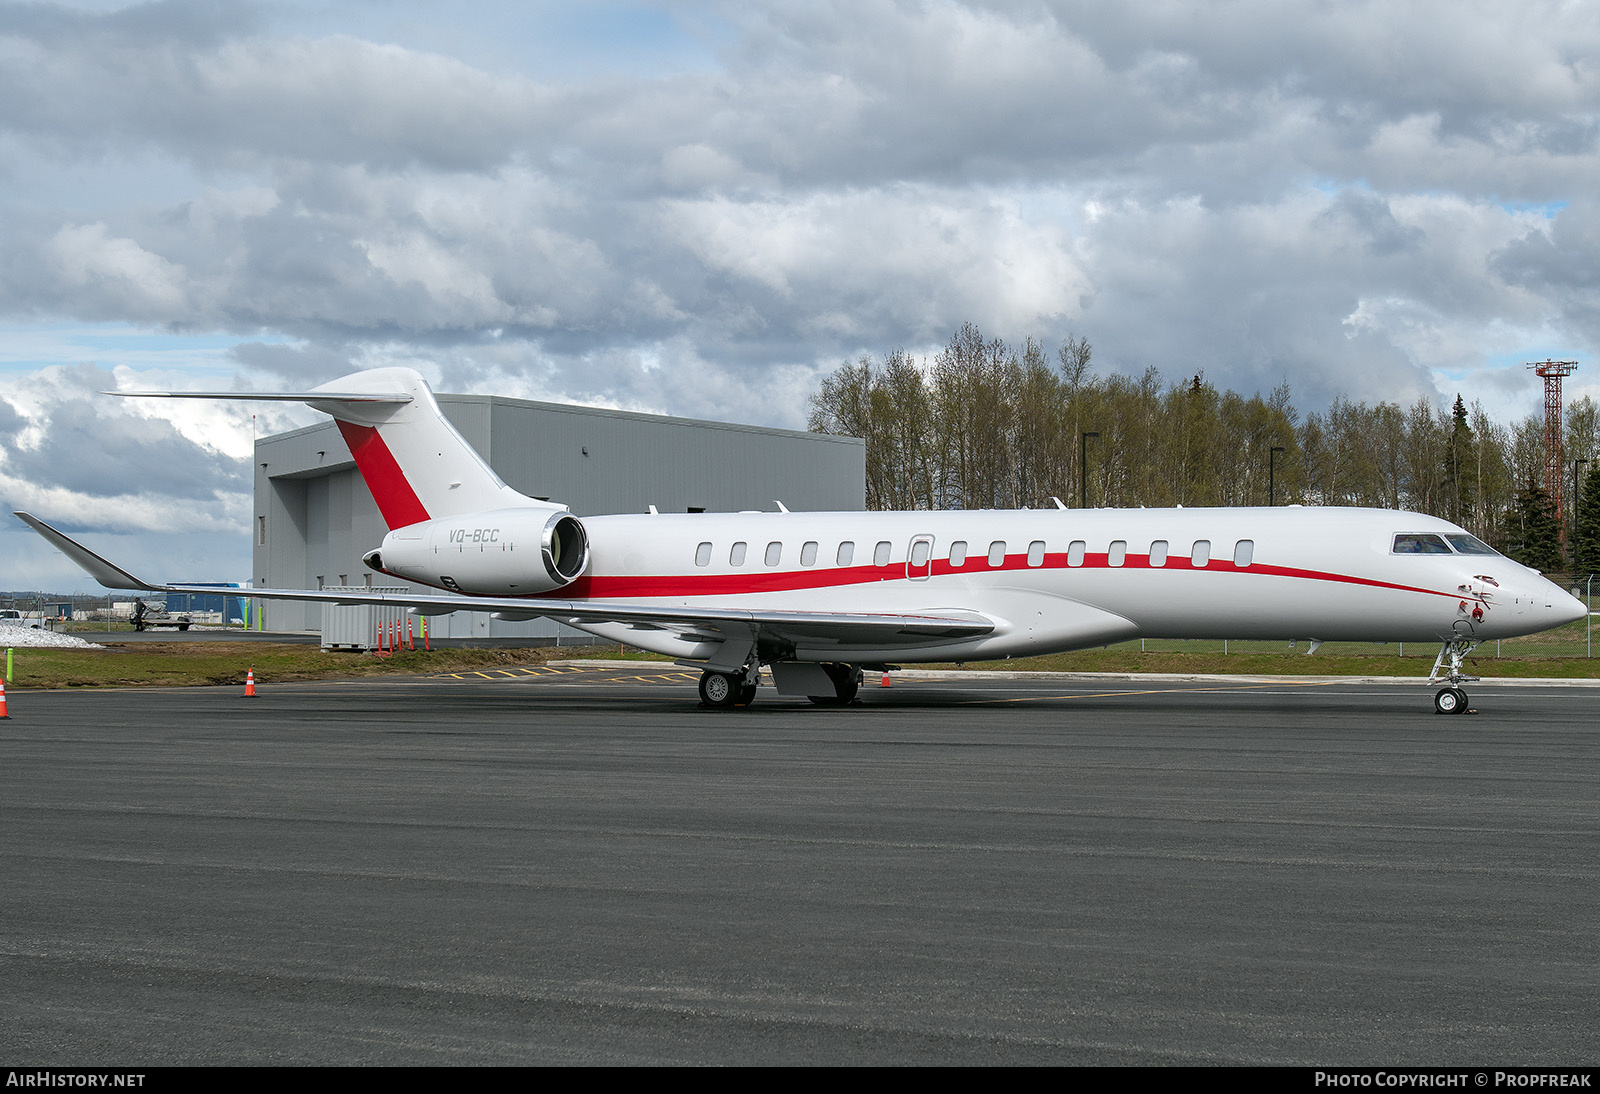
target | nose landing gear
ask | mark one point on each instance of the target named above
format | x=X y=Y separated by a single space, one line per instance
x=1452 y=700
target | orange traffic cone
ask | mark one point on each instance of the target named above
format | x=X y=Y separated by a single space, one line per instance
x=3 y=713
x=885 y=679
x=250 y=684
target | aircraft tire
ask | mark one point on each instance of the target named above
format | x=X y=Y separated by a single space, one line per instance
x=720 y=690
x=845 y=685
x=1449 y=701
x=846 y=680
x=747 y=695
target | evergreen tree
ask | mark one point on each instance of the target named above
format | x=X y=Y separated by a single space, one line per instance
x=1586 y=528
x=1460 y=462
x=1537 y=534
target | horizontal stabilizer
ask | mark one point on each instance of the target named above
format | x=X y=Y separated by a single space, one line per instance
x=106 y=573
x=413 y=460
x=274 y=396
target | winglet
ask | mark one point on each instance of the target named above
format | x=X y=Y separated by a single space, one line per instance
x=107 y=574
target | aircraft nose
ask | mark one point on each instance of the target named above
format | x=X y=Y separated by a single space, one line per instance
x=1567 y=608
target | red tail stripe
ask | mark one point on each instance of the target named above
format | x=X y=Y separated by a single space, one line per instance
x=396 y=500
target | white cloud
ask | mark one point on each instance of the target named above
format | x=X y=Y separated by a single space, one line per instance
x=115 y=275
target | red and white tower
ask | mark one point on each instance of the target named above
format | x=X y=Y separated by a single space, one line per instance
x=1554 y=459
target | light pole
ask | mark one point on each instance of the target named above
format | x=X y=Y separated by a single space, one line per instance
x=1083 y=469
x=1272 y=475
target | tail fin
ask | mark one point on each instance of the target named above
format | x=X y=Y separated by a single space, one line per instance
x=413 y=460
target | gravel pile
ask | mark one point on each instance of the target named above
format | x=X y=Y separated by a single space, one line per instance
x=26 y=638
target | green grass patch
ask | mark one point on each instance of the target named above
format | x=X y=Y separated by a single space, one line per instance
x=186 y=664
x=1559 y=653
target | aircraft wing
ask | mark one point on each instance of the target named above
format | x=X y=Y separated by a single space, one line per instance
x=711 y=624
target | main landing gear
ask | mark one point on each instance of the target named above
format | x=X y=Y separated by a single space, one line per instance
x=726 y=690
x=1452 y=700
x=723 y=690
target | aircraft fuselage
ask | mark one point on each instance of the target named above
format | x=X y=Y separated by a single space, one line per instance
x=1051 y=579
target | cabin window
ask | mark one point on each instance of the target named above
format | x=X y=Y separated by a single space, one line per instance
x=736 y=555
x=997 y=553
x=1200 y=555
x=1075 y=551
x=1036 y=553
x=1158 y=553
x=919 y=553
x=1243 y=552
x=847 y=553
x=808 y=553
x=958 y=554
x=702 y=555
x=880 y=557
x=774 y=553
x=1117 y=553
x=1420 y=543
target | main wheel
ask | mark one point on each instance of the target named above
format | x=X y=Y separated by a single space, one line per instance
x=1449 y=701
x=747 y=695
x=720 y=689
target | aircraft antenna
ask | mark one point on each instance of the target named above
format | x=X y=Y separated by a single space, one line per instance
x=1552 y=373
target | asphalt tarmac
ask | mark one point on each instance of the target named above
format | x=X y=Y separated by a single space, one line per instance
x=584 y=867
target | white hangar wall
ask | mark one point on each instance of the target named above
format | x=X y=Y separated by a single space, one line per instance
x=314 y=517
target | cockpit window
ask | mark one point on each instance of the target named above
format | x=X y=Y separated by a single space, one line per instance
x=1470 y=545
x=1421 y=543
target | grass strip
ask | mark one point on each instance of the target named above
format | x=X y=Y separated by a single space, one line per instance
x=186 y=664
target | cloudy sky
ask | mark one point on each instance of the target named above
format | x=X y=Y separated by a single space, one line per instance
x=699 y=208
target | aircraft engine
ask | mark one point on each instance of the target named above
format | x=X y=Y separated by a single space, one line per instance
x=502 y=552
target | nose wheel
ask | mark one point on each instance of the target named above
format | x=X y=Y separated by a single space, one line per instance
x=1450 y=666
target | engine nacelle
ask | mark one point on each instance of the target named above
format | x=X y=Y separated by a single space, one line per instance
x=502 y=552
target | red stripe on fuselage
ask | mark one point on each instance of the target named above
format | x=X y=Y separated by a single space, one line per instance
x=396 y=500
x=692 y=585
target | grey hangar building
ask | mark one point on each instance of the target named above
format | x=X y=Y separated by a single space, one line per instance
x=314 y=517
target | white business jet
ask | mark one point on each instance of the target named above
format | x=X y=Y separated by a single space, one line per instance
x=819 y=597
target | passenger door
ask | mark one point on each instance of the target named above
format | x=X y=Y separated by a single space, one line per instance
x=919 y=558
